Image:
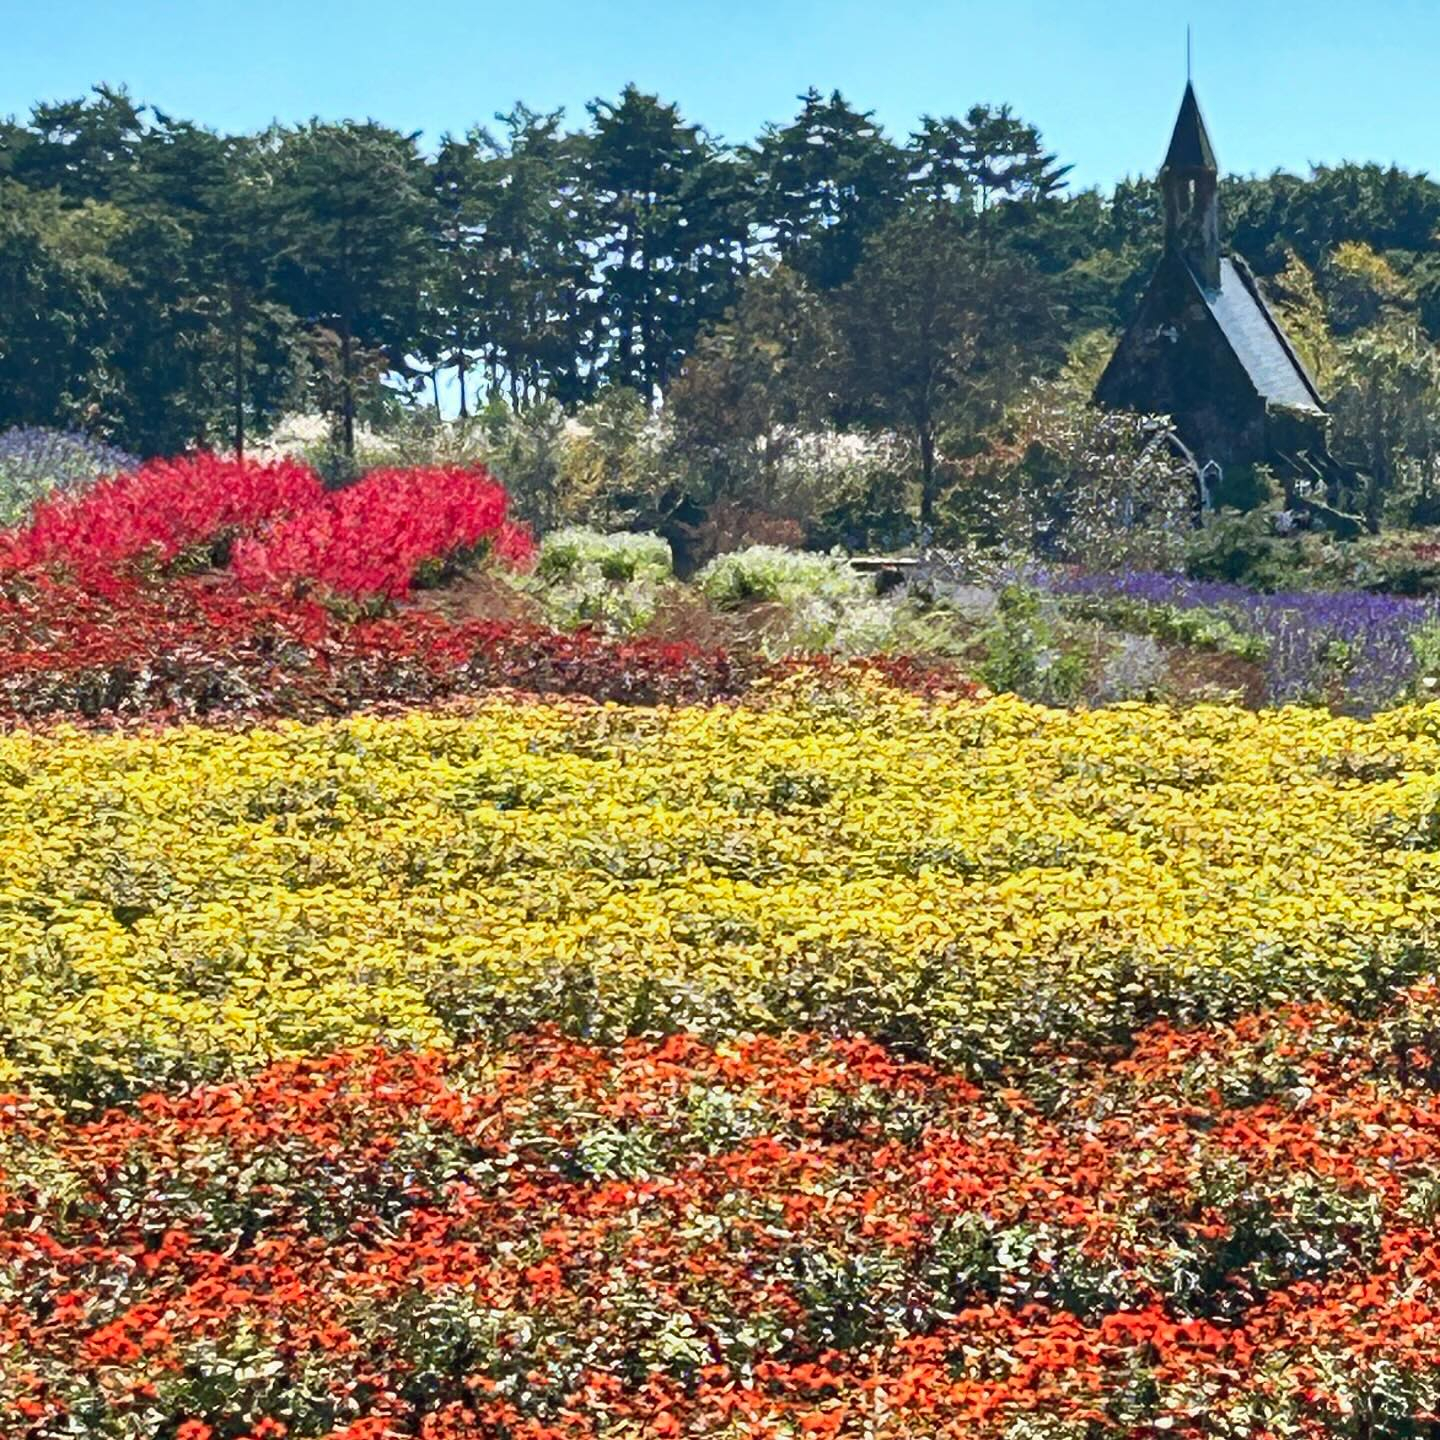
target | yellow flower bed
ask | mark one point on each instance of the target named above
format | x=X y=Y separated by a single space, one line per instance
x=971 y=879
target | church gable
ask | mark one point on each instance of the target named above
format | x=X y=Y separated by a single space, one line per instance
x=1176 y=360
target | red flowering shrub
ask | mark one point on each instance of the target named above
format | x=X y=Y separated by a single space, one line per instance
x=376 y=537
x=373 y=539
x=157 y=512
x=1231 y=1232
x=95 y=620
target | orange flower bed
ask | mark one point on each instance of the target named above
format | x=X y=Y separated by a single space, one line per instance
x=1230 y=1231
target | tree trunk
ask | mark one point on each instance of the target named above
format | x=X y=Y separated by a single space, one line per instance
x=627 y=334
x=926 y=436
x=237 y=356
x=1377 y=482
x=648 y=360
x=1374 y=498
x=460 y=369
x=347 y=391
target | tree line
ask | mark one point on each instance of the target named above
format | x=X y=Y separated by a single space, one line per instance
x=164 y=285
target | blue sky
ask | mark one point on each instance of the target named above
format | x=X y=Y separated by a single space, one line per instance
x=1281 y=84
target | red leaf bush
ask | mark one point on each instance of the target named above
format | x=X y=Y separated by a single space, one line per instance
x=372 y=539
x=95 y=621
x=156 y=513
x=1230 y=1232
x=375 y=537
x=187 y=648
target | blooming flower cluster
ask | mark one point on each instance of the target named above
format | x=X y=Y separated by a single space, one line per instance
x=976 y=881
x=1231 y=1232
x=1315 y=645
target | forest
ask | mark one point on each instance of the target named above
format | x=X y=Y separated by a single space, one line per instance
x=828 y=334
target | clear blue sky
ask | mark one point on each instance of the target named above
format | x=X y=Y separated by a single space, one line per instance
x=1282 y=84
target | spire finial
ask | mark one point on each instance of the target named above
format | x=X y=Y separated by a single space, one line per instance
x=1187 y=54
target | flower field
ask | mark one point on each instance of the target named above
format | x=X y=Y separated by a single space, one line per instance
x=1343 y=643
x=210 y=587
x=1230 y=1232
x=969 y=881
x=642 y=1044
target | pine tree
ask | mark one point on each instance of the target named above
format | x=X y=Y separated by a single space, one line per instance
x=352 y=215
x=824 y=183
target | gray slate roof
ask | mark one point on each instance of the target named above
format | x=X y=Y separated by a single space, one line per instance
x=1257 y=340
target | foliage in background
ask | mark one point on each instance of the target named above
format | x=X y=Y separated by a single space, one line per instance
x=1387 y=415
x=174 y=287
x=1067 y=481
x=938 y=328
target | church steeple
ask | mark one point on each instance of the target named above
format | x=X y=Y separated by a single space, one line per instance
x=1190 y=180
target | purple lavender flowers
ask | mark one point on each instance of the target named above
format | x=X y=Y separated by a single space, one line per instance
x=35 y=461
x=1314 y=641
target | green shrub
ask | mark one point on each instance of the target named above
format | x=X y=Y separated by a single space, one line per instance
x=770 y=573
x=1025 y=652
x=1201 y=628
x=585 y=577
x=1244 y=550
x=573 y=552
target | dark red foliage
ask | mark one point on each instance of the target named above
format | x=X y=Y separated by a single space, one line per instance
x=190 y=647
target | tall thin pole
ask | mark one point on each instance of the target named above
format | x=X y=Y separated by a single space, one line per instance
x=1187 y=54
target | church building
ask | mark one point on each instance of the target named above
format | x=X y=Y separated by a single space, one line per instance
x=1205 y=348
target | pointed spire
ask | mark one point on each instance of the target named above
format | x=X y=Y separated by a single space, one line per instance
x=1190 y=183
x=1190 y=147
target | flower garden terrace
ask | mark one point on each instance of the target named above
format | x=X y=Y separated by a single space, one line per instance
x=779 y=1068
x=1232 y=1232
x=808 y=1048
x=981 y=882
